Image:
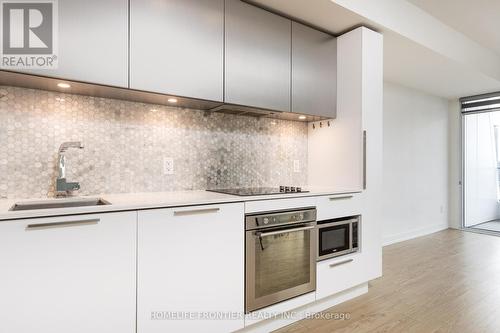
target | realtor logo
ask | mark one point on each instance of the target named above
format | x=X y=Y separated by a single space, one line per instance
x=29 y=34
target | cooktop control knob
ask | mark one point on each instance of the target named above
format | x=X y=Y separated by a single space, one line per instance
x=265 y=220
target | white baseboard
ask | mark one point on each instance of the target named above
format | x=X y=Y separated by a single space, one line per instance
x=396 y=238
x=305 y=311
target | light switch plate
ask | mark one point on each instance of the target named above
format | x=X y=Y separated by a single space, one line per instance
x=296 y=166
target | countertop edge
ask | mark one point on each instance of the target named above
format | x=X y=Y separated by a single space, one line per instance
x=114 y=208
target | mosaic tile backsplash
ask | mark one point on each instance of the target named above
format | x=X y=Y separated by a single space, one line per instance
x=126 y=144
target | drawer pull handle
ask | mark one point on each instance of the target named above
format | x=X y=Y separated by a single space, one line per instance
x=61 y=224
x=341 y=263
x=196 y=211
x=345 y=197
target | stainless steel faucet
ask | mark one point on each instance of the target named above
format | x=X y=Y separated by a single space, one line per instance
x=63 y=188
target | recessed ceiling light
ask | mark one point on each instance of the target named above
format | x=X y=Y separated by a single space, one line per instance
x=63 y=85
x=302 y=117
x=172 y=100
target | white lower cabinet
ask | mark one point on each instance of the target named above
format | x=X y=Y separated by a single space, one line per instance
x=347 y=271
x=191 y=269
x=68 y=274
x=339 y=274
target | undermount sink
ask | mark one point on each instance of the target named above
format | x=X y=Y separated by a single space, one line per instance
x=59 y=203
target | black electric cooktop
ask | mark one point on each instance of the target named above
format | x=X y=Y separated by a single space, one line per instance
x=249 y=191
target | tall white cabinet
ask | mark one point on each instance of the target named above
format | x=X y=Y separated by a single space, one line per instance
x=191 y=263
x=338 y=154
x=342 y=153
x=68 y=274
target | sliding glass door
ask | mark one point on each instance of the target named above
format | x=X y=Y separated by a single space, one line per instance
x=481 y=170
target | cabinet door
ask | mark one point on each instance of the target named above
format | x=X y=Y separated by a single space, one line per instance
x=314 y=72
x=257 y=61
x=68 y=274
x=176 y=47
x=93 y=42
x=190 y=262
x=336 y=153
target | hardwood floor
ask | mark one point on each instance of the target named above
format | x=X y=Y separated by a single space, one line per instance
x=445 y=282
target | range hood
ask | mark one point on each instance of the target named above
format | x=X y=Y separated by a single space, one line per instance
x=8 y=78
x=250 y=111
x=243 y=110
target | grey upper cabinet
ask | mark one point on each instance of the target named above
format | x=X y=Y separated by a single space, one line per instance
x=176 y=47
x=257 y=57
x=314 y=72
x=93 y=42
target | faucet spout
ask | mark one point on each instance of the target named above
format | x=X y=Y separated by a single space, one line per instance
x=62 y=186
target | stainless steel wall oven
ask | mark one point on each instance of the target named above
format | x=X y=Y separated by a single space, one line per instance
x=280 y=256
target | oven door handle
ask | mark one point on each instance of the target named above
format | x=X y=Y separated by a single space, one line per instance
x=279 y=232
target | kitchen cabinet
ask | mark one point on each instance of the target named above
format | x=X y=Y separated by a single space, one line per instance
x=314 y=72
x=347 y=271
x=93 y=42
x=257 y=57
x=68 y=274
x=336 y=153
x=339 y=274
x=338 y=205
x=176 y=47
x=190 y=263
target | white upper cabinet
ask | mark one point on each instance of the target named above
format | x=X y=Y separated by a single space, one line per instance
x=314 y=72
x=191 y=260
x=93 y=42
x=176 y=47
x=68 y=274
x=257 y=57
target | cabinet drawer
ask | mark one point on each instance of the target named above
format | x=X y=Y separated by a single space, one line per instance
x=339 y=205
x=338 y=274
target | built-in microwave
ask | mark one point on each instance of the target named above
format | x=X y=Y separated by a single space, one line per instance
x=337 y=237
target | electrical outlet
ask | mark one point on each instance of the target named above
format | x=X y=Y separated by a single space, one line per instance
x=296 y=166
x=168 y=166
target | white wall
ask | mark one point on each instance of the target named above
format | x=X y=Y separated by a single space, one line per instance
x=454 y=166
x=415 y=178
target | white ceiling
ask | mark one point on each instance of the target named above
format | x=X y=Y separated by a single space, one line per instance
x=321 y=13
x=477 y=19
x=412 y=65
x=409 y=60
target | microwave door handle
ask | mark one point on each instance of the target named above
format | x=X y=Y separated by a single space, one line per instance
x=279 y=232
x=350 y=236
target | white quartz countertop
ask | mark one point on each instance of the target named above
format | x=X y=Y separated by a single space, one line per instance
x=139 y=201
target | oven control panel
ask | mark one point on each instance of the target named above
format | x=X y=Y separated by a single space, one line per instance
x=271 y=219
